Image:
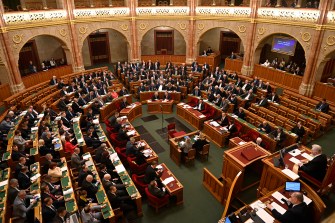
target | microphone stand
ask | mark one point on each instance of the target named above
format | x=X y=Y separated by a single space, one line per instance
x=162 y=118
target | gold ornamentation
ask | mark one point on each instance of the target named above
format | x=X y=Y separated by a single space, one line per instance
x=306 y=36
x=83 y=29
x=330 y=40
x=182 y=26
x=261 y=30
x=17 y=38
x=124 y=27
x=242 y=28
x=62 y=32
x=201 y=26
x=143 y=26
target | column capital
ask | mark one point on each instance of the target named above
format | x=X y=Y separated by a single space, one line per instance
x=306 y=89
x=15 y=88
x=247 y=70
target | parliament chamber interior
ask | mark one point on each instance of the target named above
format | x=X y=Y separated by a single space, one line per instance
x=167 y=111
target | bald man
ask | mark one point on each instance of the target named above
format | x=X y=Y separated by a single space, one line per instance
x=317 y=167
x=297 y=211
x=91 y=186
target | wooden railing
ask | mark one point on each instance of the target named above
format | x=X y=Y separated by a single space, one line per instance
x=322 y=90
x=163 y=59
x=213 y=185
x=5 y=91
x=233 y=64
x=278 y=77
x=34 y=79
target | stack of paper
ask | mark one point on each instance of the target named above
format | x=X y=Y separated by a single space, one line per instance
x=290 y=174
x=64 y=168
x=124 y=117
x=168 y=180
x=80 y=140
x=147 y=152
x=181 y=103
x=75 y=119
x=295 y=152
x=35 y=177
x=120 y=169
x=40 y=115
x=279 y=196
x=307 y=156
x=34 y=129
x=242 y=143
x=159 y=167
x=294 y=160
x=95 y=121
x=113 y=156
x=86 y=156
x=3 y=183
x=202 y=116
x=280 y=209
x=89 y=163
x=130 y=133
x=214 y=123
x=67 y=192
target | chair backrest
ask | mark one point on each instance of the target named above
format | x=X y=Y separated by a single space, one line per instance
x=191 y=154
x=171 y=126
x=330 y=175
x=205 y=148
x=151 y=197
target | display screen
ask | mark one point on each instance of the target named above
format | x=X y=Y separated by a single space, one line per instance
x=293 y=186
x=283 y=45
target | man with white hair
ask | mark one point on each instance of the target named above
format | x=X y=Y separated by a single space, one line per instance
x=317 y=167
x=259 y=142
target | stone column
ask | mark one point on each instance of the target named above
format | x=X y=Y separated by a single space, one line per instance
x=23 y=5
x=13 y=73
x=78 y=64
x=190 y=43
x=110 y=4
x=250 y=31
x=309 y=78
x=44 y=4
x=135 y=47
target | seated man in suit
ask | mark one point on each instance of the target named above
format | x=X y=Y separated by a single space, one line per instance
x=152 y=173
x=91 y=186
x=76 y=107
x=62 y=216
x=317 y=167
x=200 y=142
x=24 y=178
x=299 y=130
x=279 y=136
x=48 y=210
x=112 y=119
x=124 y=103
x=223 y=119
x=53 y=80
x=231 y=128
x=122 y=134
x=240 y=113
x=274 y=98
x=88 y=214
x=124 y=91
x=19 y=207
x=92 y=141
x=200 y=106
x=265 y=127
x=167 y=96
x=260 y=142
x=297 y=210
x=249 y=96
x=196 y=92
x=323 y=106
x=263 y=102
x=118 y=200
x=76 y=161
x=155 y=96
x=155 y=190
x=131 y=148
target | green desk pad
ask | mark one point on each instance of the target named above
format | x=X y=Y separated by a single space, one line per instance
x=131 y=190
x=6 y=156
x=65 y=182
x=106 y=211
x=33 y=151
x=5 y=174
x=101 y=196
x=70 y=206
x=10 y=134
x=34 y=186
x=3 y=194
x=125 y=179
x=67 y=196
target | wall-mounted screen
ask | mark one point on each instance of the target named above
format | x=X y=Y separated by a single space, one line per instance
x=283 y=45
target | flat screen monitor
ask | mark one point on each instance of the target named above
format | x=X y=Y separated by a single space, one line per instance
x=284 y=45
x=292 y=186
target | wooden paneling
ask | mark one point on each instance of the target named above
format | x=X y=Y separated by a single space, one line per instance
x=163 y=59
x=34 y=79
x=234 y=65
x=278 y=77
x=212 y=60
x=5 y=91
x=322 y=90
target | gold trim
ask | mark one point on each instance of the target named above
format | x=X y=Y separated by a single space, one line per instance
x=201 y=26
x=261 y=30
x=62 y=32
x=306 y=36
x=124 y=27
x=242 y=28
x=182 y=26
x=17 y=38
x=83 y=29
x=142 y=26
x=330 y=40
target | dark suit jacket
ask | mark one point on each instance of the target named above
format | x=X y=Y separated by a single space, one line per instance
x=156 y=191
x=123 y=104
x=90 y=188
x=266 y=127
x=263 y=103
x=48 y=214
x=202 y=107
x=241 y=115
x=149 y=175
x=299 y=131
x=317 y=167
x=296 y=214
x=24 y=181
x=275 y=99
x=224 y=122
x=199 y=144
x=232 y=129
x=12 y=193
x=323 y=107
x=196 y=94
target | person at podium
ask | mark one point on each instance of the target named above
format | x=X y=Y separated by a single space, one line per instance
x=155 y=96
x=167 y=96
x=317 y=167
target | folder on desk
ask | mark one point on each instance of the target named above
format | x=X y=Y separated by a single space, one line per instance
x=250 y=153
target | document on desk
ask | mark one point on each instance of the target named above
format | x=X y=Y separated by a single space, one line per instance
x=279 y=196
x=280 y=209
x=307 y=200
x=113 y=156
x=120 y=169
x=3 y=183
x=202 y=116
x=242 y=143
x=64 y=168
x=214 y=123
x=168 y=180
x=295 y=152
x=294 y=160
x=89 y=163
x=307 y=156
x=290 y=174
x=266 y=217
x=86 y=156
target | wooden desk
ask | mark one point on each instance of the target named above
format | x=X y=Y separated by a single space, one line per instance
x=111 y=107
x=317 y=206
x=217 y=135
x=190 y=115
x=273 y=177
x=147 y=95
x=236 y=141
x=78 y=134
x=213 y=60
x=132 y=111
x=233 y=64
x=36 y=186
x=175 y=188
x=160 y=106
x=151 y=155
x=175 y=151
x=4 y=215
x=235 y=161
